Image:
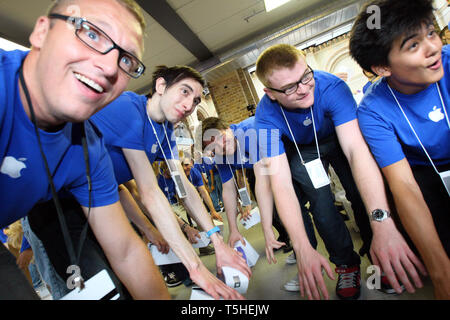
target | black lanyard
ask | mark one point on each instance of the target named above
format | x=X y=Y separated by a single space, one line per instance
x=74 y=259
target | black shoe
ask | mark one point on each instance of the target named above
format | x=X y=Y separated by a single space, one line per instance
x=172 y=280
x=206 y=251
x=386 y=287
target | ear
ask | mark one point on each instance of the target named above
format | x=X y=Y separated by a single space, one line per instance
x=160 y=86
x=381 y=71
x=40 y=31
x=269 y=94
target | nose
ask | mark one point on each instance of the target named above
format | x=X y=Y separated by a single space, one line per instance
x=108 y=63
x=432 y=47
x=188 y=105
x=302 y=88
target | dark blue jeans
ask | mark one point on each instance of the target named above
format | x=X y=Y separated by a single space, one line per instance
x=330 y=225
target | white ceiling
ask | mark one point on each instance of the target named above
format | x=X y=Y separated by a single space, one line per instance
x=223 y=26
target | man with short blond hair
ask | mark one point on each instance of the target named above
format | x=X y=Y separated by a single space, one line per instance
x=315 y=114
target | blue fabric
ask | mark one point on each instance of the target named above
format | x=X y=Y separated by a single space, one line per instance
x=167 y=186
x=366 y=86
x=387 y=132
x=25 y=244
x=195 y=177
x=3 y=237
x=23 y=180
x=333 y=105
x=125 y=124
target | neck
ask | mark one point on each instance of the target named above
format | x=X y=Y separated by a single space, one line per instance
x=406 y=88
x=44 y=121
x=154 y=110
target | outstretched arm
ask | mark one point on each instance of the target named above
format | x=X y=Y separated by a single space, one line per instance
x=418 y=222
x=388 y=248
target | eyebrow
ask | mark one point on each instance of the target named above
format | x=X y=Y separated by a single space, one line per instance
x=105 y=25
x=407 y=39
x=293 y=83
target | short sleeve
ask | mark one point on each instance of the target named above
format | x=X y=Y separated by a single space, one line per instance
x=380 y=136
x=336 y=99
x=121 y=122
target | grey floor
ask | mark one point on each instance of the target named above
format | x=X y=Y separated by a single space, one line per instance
x=267 y=280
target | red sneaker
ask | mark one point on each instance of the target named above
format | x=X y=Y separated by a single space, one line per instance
x=348 y=286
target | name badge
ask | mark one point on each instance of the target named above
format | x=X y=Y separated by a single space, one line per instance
x=317 y=173
x=245 y=197
x=445 y=177
x=181 y=191
x=99 y=287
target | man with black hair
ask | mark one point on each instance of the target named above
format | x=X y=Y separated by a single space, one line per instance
x=404 y=118
x=139 y=131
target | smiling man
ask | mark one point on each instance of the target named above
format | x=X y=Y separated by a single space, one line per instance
x=315 y=115
x=65 y=78
x=405 y=120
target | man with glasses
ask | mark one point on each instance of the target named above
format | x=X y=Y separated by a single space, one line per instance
x=314 y=114
x=46 y=144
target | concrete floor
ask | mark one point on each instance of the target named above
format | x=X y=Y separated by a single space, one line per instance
x=268 y=279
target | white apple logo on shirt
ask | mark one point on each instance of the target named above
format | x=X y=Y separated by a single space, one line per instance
x=436 y=115
x=154 y=148
x=12 y=167
x=307 y=122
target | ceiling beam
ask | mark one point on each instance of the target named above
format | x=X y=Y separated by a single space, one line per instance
x=163 y=13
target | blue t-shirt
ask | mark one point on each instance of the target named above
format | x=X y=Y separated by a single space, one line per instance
x=23 y=179
x=195 y=177
x=367 y=86
x=3 y=236
x=168 y=188
x=333 y=105
x=125 y=124
x=388 y=133
x=247 y=150
x=205 y=166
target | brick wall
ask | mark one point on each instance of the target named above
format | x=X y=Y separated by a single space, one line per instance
x=232 y=94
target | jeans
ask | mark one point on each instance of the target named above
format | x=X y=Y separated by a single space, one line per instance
x=58 y=287
x=216 y=194
x=44 y=222
x=35 y=275
x=330 y=225
x=437 y=199
x=13 y=283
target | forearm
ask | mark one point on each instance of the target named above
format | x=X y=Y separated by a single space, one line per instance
x=289 y=211
x=164 y=219
x=195 y=208
x=230 y=204
x=134 y=213
x=418 y=222
x=141 y=282
x=264 y=198
x=207 y=199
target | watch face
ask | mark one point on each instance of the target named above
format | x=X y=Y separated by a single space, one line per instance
x=378 y=214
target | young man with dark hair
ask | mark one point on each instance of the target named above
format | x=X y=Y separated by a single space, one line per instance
x=63 y=80
x=404 y=118
x=316 y=112
x=138 y=131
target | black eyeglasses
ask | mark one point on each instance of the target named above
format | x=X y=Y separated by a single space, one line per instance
x=306 y=78
x=95 y=38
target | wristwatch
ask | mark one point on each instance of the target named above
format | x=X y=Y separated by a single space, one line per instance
x=379 y=215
